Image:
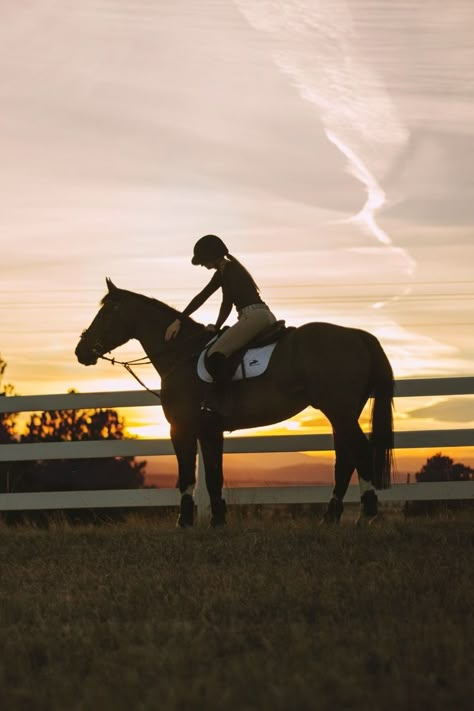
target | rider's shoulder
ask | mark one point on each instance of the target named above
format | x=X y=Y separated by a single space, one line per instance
x=233 y=268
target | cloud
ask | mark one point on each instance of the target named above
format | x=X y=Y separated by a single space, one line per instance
x=435 y=172
x=129 y=129
x=449 y=410
x=179 y=104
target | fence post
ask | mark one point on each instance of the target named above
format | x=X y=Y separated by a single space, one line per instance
x=201 y=497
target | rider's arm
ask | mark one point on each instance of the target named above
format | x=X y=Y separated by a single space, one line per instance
x=224 y=311
x=203 y=295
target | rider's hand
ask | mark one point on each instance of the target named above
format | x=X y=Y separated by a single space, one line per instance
x=173 y=330
x=211 y=327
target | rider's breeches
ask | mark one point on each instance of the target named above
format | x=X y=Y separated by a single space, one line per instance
x=252 y=320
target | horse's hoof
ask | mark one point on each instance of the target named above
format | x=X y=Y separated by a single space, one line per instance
x=327 y=521
x=217 y=524
x=369 y=504
x=218 y=513
x=366 y=521
x=182 y=524
x=333 y=513
x=369 y=509
x=186 y=512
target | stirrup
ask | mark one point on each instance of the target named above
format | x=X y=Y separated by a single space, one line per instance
x=218 y=366
x=210 y=416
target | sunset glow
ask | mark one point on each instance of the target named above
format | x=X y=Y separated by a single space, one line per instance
x=327 y=144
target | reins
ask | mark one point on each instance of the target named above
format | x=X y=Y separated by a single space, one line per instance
x=99 y=352
x=144 y=360
x=127 y=364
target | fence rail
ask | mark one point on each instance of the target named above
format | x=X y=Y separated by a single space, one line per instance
x=246 y=444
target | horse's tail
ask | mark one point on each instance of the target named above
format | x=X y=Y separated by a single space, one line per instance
x=382 y=386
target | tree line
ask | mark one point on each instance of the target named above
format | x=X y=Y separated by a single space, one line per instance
x=113 y=472
x=66 y=474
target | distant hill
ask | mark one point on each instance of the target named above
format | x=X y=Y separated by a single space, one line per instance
x=290 y=468
x=255 y=470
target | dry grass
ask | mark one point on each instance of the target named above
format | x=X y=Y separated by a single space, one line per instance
x=264 y=615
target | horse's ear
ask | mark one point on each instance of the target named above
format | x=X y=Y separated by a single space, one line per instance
x=110 y=285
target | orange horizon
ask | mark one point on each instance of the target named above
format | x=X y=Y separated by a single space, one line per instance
x=297 y=468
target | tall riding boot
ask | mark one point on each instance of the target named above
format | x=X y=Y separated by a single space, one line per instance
x=218 y=367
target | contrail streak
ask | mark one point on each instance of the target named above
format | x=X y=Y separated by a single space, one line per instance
x=375 y=194
x=314 y=44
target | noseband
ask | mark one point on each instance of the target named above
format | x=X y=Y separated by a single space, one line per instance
x=97 y=349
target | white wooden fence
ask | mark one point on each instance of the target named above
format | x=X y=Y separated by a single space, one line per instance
x=265 y=444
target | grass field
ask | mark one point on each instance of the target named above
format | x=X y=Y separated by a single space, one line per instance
x=268 y=614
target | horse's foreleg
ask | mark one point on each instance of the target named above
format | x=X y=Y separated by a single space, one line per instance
x=185 y=446
x=211 y=439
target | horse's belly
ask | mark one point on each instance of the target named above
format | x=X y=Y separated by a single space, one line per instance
x=258 y=412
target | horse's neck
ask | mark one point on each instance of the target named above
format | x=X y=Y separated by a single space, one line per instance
x=165 y=355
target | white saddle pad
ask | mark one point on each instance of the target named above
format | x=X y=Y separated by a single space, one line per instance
x=254 y=362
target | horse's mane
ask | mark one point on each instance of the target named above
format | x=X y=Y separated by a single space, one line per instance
x=118 y=294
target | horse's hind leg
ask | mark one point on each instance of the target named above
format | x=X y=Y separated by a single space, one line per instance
x=353 y=451
x=343 y=469
x=368 y=498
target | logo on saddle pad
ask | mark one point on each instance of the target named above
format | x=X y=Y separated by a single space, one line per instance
x=254 y=362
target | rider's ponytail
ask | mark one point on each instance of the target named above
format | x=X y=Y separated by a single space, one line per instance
x=236 y=261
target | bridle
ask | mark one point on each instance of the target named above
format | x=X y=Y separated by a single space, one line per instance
x=99 y=350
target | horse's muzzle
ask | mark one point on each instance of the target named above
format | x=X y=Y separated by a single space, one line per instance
x=84 y=355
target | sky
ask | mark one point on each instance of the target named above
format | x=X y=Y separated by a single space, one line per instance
x=328 y=142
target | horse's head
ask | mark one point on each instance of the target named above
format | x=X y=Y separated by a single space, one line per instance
x=112 y=327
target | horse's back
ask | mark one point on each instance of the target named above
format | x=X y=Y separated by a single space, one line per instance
x=320 y=337
x=324 y=358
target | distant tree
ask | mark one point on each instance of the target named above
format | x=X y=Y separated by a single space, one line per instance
x=74 y=426
x=443 y=468
x=73 y=474
x=7 y=419
x=440 y=468
x=7 y=427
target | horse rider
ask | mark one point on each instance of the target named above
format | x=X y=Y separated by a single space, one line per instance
x=239 y=290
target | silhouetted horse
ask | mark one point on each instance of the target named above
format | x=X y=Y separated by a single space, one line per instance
x=332 y=368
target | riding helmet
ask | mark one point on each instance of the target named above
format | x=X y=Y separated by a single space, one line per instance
x=208 y=248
